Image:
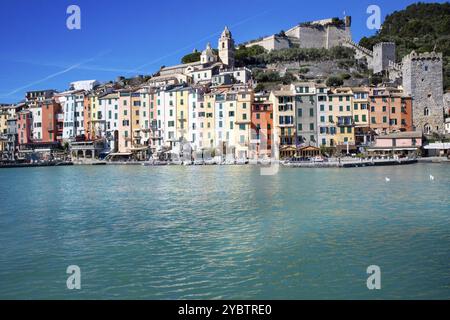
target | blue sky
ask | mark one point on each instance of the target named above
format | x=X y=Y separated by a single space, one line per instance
x=133 y=37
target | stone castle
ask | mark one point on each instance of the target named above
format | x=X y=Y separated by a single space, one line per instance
x=325 y=33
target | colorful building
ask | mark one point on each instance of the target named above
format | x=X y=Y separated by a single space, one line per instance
x=306 y=114
x=262 y=127
x=284 y=121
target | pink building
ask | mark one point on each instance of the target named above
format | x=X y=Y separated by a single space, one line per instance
x=399 y=143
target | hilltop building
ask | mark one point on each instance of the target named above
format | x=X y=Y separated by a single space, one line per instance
x=326 y=33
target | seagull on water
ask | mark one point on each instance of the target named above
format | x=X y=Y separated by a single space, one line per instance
x=431 y=177
x=387 y=179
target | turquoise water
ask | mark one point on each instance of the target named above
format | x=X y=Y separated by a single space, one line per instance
x=224 y=232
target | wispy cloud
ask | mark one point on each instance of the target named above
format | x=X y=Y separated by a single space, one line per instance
x=81 y=67
x=183 y=49
x=54 y=75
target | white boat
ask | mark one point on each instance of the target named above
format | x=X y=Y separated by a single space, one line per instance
x=265 y=161
x=199 y=162
x=229 y=162
x=241 y=161
x=253 y=161
x=210 y=162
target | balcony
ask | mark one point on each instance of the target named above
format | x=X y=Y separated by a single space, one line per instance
x=345 y=122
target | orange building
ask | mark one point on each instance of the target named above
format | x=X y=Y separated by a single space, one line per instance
x=390 y=110
x=261 y=125
x=52 y=127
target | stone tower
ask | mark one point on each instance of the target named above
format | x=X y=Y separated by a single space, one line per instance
x=423 y=80
x=383 y=52
x=226 y=48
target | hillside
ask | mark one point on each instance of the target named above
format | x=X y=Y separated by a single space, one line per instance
x=422 y=27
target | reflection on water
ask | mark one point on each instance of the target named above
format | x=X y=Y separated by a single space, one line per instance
x=224 y=232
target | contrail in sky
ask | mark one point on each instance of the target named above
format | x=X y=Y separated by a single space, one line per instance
x=51 y=76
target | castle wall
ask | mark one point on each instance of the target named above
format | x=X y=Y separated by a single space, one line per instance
x=337 y=36
x=383 y=52
x=311 y=37
x=271 y=43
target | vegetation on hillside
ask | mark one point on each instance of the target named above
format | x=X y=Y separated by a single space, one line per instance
x=256 y=55
x=422 y=27
x=191 y=57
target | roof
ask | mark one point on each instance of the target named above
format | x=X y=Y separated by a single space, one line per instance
x=438 y=146
x=110 y=96
x=402 y=135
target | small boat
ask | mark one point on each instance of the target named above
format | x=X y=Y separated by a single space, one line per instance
x=241 y=161
x=210 y=162
x=199 y=162
x=229 y=162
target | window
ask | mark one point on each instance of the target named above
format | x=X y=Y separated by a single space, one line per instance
x=300 y=127
x=384 y=119
x=311 y=126
x=311 y=112
x=372 y=120
x=258 y=116
x=426 y=112
x=299 y=112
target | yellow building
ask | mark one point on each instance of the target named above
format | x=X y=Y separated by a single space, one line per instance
x=284 y=121
x=92 y=108
x=125 y=119
x=360 y=108
x=182 y=107
x=207 y=122
x=244 y=99
x=340 y=100
x=3 y=129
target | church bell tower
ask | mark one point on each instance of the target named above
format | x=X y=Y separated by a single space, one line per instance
x=226 y=48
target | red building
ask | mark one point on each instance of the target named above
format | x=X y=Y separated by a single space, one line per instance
x=262 y=126
x=24 y=126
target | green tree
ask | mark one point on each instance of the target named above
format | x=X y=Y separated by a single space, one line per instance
x=334 y=81
x=191 y=57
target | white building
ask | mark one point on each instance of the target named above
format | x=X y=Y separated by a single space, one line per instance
x=73 y=114
x=86 y=85
x=108 y=124
x=36 y=114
